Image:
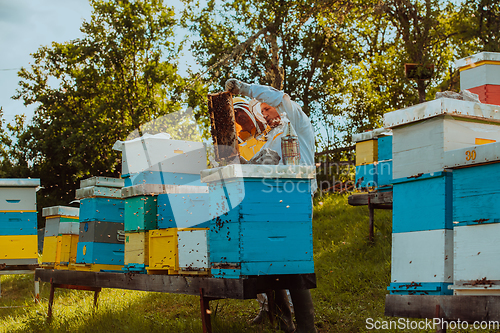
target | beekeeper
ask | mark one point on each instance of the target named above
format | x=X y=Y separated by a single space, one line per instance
x=278 y=109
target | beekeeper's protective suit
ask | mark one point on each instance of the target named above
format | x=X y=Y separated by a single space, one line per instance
x=288 y=110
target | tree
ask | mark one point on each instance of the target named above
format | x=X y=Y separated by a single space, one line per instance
x=93 y=91
x=477 y=23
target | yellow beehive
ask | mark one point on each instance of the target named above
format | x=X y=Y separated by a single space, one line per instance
x=66 y=249
x=49 y=254
x=366 y=152
x=19 y=247
x=163 y=252
x=137 y=248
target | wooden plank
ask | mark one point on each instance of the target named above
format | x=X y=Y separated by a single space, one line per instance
x=247 y=288
x=376 y=198
x=452 y=308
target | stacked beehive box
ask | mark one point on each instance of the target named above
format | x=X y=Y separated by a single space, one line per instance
x=476 y=218
x=165 y=204
x=101 y=236
x=373 y=159
x=60 y=236
x=261 y=220
x=480 y=74
x=179 y=245
x=156 y=159
x=140 y=217
x=18 y=222
x=422 y=247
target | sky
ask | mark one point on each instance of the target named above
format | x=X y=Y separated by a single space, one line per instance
x=25 y=25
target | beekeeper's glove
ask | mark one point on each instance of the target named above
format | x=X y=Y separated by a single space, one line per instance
x=237 y=87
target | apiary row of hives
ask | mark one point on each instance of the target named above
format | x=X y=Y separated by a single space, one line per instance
x=18 y=222
x=230 y=222
x=446 y=160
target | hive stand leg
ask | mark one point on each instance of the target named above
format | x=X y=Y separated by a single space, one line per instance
x=37 y=291
x=51 y=299
x=439 y=329
x=96 y=297
x=205 y=312
x=371 y=213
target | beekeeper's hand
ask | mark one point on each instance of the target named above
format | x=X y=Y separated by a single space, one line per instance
x=236 y=87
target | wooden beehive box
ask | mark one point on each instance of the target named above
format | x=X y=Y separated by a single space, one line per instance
x=66 y=249
x=261 y=220
x=476 y=249
x=101 y=232
x=424 y=132
x=100 y=253
x=102 y=209
x=49 y=253
x=19 y=249
x=158 y=156
x=193 y=251
x=137 y=249
x=479 y=69
x=423 y=203
x=141 y=213
x=183 y=210
x=422 y=262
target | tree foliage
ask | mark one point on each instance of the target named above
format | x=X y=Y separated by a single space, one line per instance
x=95 y=90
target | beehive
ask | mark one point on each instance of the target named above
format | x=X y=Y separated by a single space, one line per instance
x=140 y=213
x=261 y=220
x=18 y=221
x=373 y=159
x=422 y=262
x=424 y=132
x=480 y=74
x=178 y=251
x=157 y=159
x=136 y=251
x=183 y=210
x=423 y=203
x=476 y=249
x=101 y=237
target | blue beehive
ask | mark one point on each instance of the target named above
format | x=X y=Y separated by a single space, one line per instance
x=262 y=221
x=18 y=221
x=423 y=203
x=384 y=147
x=476 y=194
x=183 y=210
x=98 y=213
x=102 y=209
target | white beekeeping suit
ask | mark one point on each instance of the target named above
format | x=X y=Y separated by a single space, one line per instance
x=288 y=111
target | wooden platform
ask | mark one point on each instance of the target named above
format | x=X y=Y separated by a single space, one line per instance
x=451 y=308
x=378 y=200
x=247 y=288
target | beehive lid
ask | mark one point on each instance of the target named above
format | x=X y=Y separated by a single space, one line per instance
x=442 y=106
x=476 y=58
x=258 y=171
x=155 y=189
x=60 y=211
x=370 y=135
x=19 y=182
x=102 y=181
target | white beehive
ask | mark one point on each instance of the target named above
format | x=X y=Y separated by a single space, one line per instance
x=160 y=153
x=424 y=132
x=479 y=69
x=422 y=256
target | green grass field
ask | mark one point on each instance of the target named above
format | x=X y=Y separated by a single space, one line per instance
x=352 y=279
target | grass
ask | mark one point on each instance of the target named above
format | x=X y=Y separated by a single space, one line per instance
x=352 y=278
